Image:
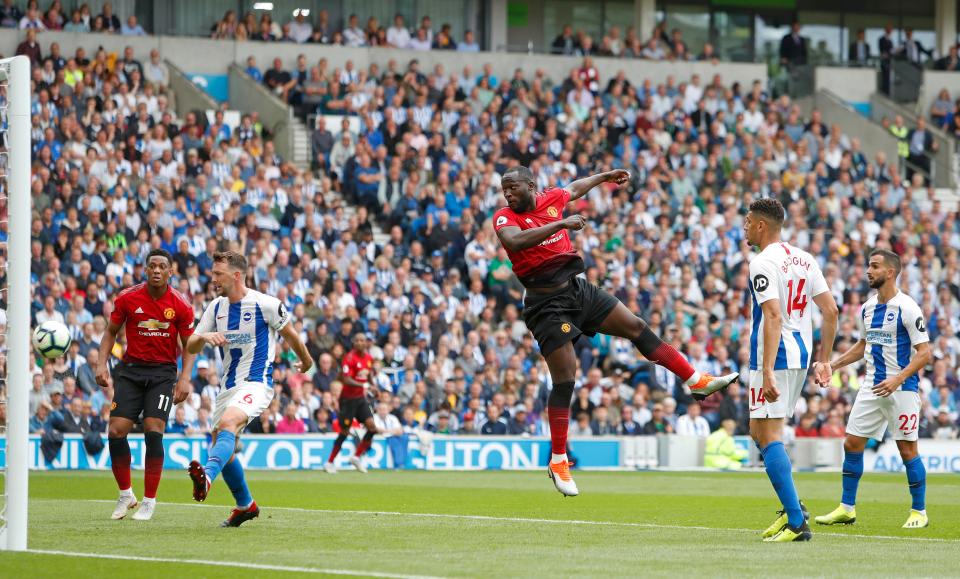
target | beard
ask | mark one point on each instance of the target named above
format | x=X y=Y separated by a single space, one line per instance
x=875 y=283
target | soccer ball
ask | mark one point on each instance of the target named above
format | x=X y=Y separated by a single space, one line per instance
x=51 y=339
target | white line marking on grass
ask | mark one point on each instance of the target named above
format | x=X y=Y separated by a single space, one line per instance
x=550 y=521
x=356 y=573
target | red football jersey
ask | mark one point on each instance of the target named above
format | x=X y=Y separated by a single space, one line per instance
x=359 y=368
x=554 y=260
x=153 y=326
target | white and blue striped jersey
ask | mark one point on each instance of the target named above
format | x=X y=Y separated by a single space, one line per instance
x=250 y=326
x=891 y=330
x=793 y=276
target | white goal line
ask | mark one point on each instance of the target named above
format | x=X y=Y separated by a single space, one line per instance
x=238 y=564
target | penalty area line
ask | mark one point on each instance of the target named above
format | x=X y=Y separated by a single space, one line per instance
x=525 y=520
x=237 y=564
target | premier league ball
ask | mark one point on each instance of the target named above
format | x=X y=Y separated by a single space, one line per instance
x=51 y=339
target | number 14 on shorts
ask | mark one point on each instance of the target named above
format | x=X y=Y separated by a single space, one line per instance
x=756 y=397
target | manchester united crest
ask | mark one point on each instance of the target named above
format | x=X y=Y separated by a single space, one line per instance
x=552 y=211
x=565 y=328
x=169 y=313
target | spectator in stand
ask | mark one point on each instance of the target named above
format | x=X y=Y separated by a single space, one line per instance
x=291 y=423
x=353 y=35
x=494 y=425
x=807 y=427
x=944 y=428
x=834 y=426
x=110 y=22
x=132 y=27
x=421 y=41
x=279 y=81
x=10 y=14
x=692 y=423
x=921 y=147
x=397 y=35
x=178 y=424
x=793 y=48
x=300 y=29
x=658 y=424
x=951 y=61
x=912 y=50
x=468 y=44
x=859 y=52
x=31 y=19
x=30 y=47
x=252 y=70
x=443 y=40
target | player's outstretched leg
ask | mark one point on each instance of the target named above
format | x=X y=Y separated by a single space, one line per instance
x=120 y=463
x=218 y=456
x=247 y=508
x=917 y=479
x=846 y=513
x=153 y=470
x=621 y=322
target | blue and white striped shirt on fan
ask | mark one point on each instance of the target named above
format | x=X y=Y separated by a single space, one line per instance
x=250 y=326
x=891 y=331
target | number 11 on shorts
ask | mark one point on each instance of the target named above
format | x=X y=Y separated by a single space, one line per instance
x=164 y=403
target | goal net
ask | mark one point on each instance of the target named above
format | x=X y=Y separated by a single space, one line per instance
x=15 y=217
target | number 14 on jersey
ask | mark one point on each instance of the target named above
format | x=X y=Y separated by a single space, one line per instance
x=796 y=298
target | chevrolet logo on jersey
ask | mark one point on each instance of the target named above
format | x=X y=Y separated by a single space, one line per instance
x=153 y=325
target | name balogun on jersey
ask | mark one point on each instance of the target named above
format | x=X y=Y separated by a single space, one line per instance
x=794 y=260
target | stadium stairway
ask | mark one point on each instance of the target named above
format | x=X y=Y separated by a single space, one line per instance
x=882 y=107
x=874 y=138
x=291 y=135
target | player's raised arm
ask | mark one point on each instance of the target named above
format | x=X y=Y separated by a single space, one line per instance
x=515 y=239
x=581 y=187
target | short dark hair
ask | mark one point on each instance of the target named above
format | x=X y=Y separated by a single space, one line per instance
x=233 y=259
x=519 y=172
x=161 y=253
x=890 y=259
x=769 y=209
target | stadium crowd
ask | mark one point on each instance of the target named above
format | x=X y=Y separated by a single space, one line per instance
x=116 y=173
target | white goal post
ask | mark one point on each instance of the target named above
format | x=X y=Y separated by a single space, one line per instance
x=15 y=185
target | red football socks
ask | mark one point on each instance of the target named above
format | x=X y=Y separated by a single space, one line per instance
x=559 y=424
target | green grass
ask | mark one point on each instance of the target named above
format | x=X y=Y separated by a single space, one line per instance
x=650 y=524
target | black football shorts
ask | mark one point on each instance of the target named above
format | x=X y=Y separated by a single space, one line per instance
x=143 y=388
x=351 y=408
x=562 y=316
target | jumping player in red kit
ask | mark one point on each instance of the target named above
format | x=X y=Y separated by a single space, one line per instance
x=157 y=321
x=559 y=306
x=355 y=374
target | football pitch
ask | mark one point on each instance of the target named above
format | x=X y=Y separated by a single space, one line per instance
x=472 y=524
